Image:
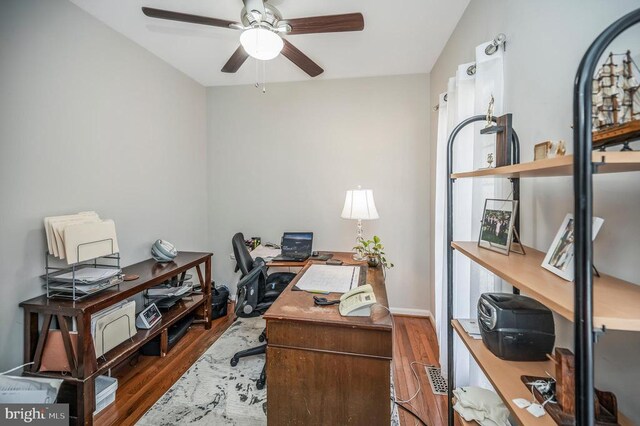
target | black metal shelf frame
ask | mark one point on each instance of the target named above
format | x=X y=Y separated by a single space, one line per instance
x=583 y=205
x=515 y=159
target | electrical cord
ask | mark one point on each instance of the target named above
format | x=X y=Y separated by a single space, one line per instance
x=395 y=400
x=410 y=412
x=16 y=368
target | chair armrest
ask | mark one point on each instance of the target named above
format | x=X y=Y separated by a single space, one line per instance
x=247 y=294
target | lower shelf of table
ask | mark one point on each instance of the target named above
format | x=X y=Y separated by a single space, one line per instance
x=505 y=378
x=124 y=350
x=142 y=383
x=130 y=346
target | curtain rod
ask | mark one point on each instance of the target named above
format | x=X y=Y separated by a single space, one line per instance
x=491 y=48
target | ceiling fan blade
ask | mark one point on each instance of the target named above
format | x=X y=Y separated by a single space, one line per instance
x=327 y=24
x=305 y=63
x=236 y=60
x=185 y=17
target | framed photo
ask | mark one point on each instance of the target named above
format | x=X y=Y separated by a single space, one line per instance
x=541 y=150
x=497 y=225
x=559 y=258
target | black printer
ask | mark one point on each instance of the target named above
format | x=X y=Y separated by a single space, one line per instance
x=515 y=327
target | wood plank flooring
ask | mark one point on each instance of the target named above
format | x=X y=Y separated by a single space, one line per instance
x=143 y=382
x=415 y=340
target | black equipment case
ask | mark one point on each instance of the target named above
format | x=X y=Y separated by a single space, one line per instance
x=515 y=327
x=219 y=300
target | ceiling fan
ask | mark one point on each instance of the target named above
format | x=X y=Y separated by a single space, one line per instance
x=262 y=25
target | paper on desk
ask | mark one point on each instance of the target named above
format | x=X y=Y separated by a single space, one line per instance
x=471 y=327
x=330 y=278
x=265 y=252
x=89 y=275
x=160 y=292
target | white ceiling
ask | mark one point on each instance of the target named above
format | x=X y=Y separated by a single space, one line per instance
x=400 y=37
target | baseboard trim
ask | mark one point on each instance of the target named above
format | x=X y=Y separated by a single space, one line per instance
x=409 y=312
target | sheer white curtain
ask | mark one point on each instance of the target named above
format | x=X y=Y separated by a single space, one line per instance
x=467 y=94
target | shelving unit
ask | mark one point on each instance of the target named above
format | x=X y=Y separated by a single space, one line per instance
x=606 y=302
x=79 y=383
x=505 y=376
x=605 y=162
x=616 y=302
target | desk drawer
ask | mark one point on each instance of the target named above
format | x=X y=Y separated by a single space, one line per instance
x=330 y=338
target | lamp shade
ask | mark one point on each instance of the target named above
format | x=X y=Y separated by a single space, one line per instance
x=359 y=204
x=261 y=43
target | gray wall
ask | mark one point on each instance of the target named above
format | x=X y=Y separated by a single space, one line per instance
x=90 y=120
x=283 y=161
x=546 y=40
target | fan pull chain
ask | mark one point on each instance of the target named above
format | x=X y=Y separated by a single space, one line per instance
x=256 y=85
x=264 y=76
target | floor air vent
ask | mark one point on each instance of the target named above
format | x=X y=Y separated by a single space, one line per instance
x=437 y=382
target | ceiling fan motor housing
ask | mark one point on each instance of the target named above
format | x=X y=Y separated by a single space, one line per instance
x=251 y=16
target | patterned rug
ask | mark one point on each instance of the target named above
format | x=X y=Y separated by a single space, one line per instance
x=212 y=392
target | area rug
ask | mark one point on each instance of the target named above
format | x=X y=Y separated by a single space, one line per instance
x=212 y=392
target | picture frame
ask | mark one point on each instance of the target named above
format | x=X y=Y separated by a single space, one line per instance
x=560 y=256
x=496 y=227
x=541 y=151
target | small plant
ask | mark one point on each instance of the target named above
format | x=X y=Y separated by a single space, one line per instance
x=373 y=250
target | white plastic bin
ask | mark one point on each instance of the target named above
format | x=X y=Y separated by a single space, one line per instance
x=105 y=392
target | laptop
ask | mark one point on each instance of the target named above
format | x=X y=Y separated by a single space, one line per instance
x=296 y=246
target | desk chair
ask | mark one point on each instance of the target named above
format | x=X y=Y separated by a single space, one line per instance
x=256 y=292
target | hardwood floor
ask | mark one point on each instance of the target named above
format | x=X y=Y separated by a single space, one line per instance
x=145 y=379
x=415 y=340
x=141 y=384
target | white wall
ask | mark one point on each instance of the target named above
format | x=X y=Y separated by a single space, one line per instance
x=283 y=161
x=546 y=40
x=90 y=120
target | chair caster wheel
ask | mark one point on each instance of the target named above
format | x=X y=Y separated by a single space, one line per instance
x=234 y=362
x=261 y=338
x=259 y=385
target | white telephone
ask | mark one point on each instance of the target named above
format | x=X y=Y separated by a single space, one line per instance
x=357 y=302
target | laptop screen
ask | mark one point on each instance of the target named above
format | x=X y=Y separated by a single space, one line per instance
x=297 y=244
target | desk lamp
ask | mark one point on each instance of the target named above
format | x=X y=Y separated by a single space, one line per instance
x=359 y=204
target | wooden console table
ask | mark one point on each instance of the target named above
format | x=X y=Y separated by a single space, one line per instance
x=85 y=367
x=323 y=368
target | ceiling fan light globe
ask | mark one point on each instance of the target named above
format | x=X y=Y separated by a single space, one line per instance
x=261 y=43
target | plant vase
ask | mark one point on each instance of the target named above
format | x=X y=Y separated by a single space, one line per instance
x=373 y=261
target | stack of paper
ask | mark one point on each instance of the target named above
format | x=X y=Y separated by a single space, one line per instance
x=87 y=279
x=80 y=237
x=163 y=291
x=28 y=390
x=329 y=278
x=471 y=327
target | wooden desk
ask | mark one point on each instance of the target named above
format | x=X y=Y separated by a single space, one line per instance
x=325 y=369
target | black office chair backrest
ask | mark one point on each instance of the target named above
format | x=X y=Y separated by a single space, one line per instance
x=241 y=253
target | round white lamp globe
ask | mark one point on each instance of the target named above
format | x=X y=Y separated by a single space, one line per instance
x=261 y=43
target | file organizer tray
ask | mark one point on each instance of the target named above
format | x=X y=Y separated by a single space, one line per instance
x=73 y=289
x=114 y=327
